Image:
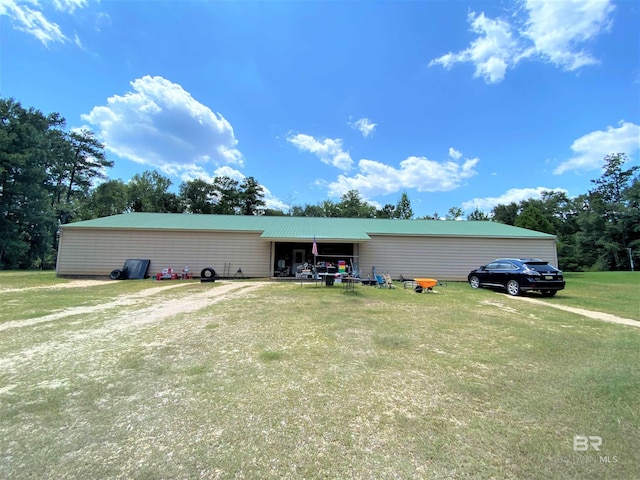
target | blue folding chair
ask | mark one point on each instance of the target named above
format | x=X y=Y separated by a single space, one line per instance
x=380 y=281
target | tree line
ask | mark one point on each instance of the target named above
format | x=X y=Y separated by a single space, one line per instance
x=50 y=176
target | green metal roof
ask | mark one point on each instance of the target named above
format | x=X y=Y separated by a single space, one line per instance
x=305 y=228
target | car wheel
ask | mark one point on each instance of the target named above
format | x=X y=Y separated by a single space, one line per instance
x=549 y=293
x=513 y=287
x=474 y=282
x=115 y=275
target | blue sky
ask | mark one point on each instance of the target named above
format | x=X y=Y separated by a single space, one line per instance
x=459 y=104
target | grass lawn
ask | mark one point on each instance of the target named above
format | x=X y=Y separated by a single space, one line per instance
x=291 y=381
x=610 y=292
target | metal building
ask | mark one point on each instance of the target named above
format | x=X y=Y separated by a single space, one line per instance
x=258 y=245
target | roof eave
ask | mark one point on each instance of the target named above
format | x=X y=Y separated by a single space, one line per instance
x=318 y=241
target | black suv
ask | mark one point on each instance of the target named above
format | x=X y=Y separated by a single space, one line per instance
x=517 y=275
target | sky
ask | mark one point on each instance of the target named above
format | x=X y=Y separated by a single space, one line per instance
x=465 y=104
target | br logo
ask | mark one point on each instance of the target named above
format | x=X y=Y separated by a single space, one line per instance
x=581 y=443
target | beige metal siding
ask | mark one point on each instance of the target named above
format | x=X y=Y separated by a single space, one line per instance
x=445 y=258
x=98 y=252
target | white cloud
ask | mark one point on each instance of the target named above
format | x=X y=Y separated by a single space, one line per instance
x=513 y=195
x=558 y=27
x=492 y=53
x=70 y=6
x=548 y=30
x=329 y=150
x=187 y=173
x=364 y=125
x=34 y=18
x=32 y=21
x=273 y=202
x=78 y=42
x=102 y=21
x=227 y=171
x=375 y=178
x=162 y=125
x=455 y=154
x=591 y=148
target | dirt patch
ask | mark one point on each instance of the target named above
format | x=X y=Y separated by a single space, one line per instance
x=123 y=323
x=499 y=305
x=605 y=317
x=58 y=286
x=158 y=311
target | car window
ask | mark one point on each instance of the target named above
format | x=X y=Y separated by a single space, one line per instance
x=540 y=266
x=501 y=266
x=509 y=266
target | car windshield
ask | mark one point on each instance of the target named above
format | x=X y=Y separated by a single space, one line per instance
x=539 y=266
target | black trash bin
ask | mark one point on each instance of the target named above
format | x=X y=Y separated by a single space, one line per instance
x=329 y=280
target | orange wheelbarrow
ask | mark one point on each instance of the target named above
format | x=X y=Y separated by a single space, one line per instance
x=425 y=284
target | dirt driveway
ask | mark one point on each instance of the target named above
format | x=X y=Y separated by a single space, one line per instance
x=142 y=312
x=156 y=312
x=605 y=317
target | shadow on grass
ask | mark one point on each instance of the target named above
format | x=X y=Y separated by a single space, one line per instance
x=271 y=355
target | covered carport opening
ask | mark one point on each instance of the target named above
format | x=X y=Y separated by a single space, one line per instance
x=289 y=255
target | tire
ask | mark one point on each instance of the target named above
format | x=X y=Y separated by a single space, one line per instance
x=208 y=273
x=115 y=275
x=513 y=288
x=474 y=282
x=548 y=293
x=418 y=289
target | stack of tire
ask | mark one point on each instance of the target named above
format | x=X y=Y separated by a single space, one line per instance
x=207 y=274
